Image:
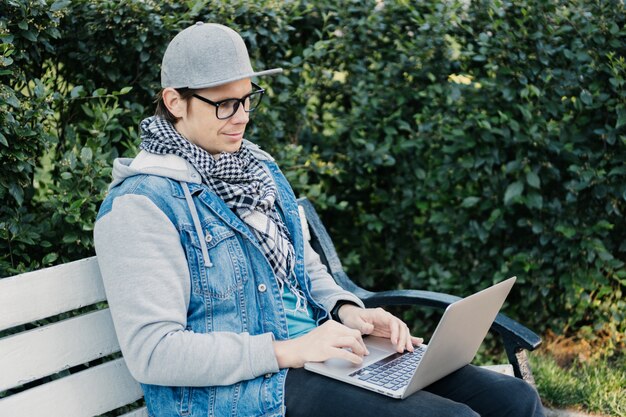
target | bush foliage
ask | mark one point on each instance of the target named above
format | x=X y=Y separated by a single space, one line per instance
x=448 y=144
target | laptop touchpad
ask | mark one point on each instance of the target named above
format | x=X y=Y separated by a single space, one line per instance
x=375 y=355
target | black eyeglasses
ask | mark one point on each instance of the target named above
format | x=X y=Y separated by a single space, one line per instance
x=228 y=107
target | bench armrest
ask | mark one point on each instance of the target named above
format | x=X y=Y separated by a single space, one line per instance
x=505 y=326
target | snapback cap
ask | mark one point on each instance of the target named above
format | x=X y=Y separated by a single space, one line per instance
x=207 y=55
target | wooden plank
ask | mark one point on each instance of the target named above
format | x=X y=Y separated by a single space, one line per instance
x=31 y=355
x=85 y=394
x=39 y=294
x=141 y=412
x=506 y=369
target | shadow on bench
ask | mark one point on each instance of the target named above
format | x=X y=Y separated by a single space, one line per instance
x=59 y=355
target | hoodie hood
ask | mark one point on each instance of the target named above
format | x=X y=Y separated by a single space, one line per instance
x=169 y=166
x=175 y=168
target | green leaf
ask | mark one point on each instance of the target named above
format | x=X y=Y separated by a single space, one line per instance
x=621 y=117
x=525 y=112
x=17 y=192
x=534 y=200
x=532 y=179
x=198 y=7
x=605 y=255
x=30 y=35
x=566 y=231
x=60 y=5
x=50 y=258
x=78 y=91
x=513 y=191
x=603 y=224
x=12 y=100
x=86 y=155
x=470 y=201
x=70 y=238
x=76 y=204
x=586 y=97
x=621 y=170
x=3 y=140
x=87 y=110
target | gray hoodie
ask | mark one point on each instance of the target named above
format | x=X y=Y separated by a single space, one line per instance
x=150 y=313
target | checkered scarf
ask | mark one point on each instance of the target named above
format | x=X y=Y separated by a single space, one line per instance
x=239 y=179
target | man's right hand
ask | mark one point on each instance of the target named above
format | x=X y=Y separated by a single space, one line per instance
x=327 y=341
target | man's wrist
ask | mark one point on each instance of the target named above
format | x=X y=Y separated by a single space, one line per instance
x=334 y=313
x=284 y=353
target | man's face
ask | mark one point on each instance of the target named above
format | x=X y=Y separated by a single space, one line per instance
x=199 y=124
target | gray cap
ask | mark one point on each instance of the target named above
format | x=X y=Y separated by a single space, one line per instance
x=207 y=55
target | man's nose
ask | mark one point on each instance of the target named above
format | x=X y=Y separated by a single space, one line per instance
x=240 y=116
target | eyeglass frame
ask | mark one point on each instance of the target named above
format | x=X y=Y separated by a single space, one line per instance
x=240 y=101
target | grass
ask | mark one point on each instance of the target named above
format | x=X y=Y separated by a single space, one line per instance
x=569 y=378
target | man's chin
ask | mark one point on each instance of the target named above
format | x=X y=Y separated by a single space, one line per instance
x=231 y=148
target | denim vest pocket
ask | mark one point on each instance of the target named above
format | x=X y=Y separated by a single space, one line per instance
x=219 y=280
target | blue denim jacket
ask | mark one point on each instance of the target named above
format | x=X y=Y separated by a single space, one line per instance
x=235 y=291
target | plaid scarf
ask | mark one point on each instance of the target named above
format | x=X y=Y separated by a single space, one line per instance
x=241 y=181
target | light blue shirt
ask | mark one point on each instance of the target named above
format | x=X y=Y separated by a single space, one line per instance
x=299 y=323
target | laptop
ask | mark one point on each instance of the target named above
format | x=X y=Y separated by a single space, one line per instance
x=453 y=345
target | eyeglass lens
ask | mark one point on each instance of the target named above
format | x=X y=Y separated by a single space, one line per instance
x=229 y=107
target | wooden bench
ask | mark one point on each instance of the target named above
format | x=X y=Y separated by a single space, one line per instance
x=59 y=355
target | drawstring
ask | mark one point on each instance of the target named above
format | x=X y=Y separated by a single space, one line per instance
x=196 y=223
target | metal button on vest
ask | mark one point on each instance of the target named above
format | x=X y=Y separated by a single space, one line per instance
x=267 y=376
x=208 y=238
x=262 y=287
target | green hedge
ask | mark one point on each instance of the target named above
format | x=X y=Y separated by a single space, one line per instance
x=448 y=144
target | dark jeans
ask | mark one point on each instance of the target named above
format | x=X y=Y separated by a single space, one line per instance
x=470 y=391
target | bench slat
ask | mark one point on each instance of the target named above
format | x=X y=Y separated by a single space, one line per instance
x=87 y=393
x=31 y=355
x=141 y=412
x=39 y=294
x=506 y=369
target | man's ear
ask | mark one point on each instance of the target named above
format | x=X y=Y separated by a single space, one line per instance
x=174 y=102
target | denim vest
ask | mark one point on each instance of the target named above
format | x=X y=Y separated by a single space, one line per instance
x=236 y=291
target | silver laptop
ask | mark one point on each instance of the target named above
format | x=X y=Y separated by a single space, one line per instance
x=454 y=344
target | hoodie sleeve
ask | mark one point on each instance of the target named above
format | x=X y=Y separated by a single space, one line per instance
x=146 y=279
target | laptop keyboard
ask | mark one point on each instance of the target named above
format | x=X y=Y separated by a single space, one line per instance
x=394 y=371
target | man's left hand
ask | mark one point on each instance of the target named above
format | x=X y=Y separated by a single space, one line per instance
x=378 y=322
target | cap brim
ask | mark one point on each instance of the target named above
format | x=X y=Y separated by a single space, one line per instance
x=272 y=71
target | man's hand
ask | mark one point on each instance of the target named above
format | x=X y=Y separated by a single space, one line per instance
x=378 y=322
x=330 y=340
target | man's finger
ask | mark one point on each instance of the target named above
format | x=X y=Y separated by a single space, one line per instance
x=417 y=340
x=395 y=332
x=409 y=342
x=347 y=355
x=403 y=335
x=366 y=328
x=356 y=335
